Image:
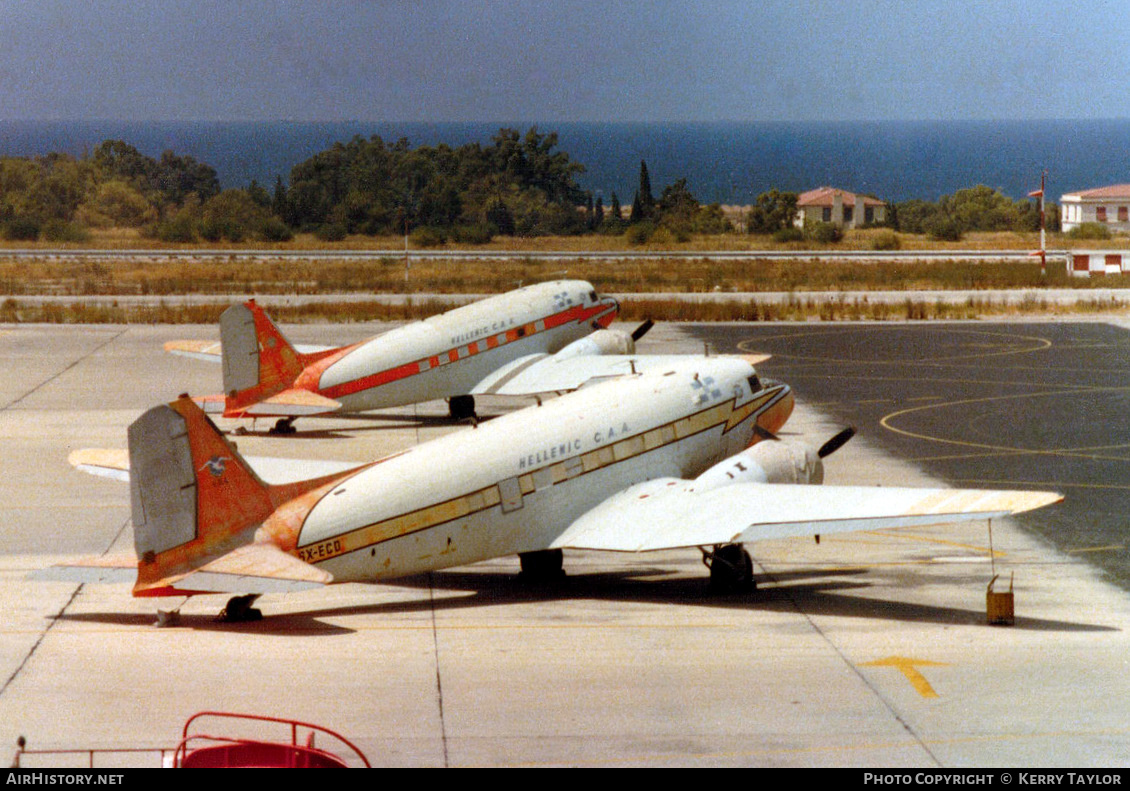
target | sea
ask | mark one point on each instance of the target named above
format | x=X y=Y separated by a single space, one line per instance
x=723 y=162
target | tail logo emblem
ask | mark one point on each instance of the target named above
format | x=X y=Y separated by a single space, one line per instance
x=216 y=465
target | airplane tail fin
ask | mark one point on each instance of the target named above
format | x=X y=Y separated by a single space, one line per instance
x=259 y=362
x=191 y=494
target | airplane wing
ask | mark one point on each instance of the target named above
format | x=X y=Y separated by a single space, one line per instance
x=114 y=463
x=212 y=351
x=668 y=513
x=546 y=373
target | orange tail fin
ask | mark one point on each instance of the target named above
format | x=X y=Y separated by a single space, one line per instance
x=259 y=361
x=193 y=497
x=197 y=507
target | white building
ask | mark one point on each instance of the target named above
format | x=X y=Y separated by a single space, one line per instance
x=840 y=207
x=1107 y=206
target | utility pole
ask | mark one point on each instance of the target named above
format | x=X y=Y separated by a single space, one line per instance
x=1043 y=253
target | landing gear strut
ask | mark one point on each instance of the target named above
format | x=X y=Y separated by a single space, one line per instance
x=544 y=566
x=239 y=610
x=731 y=569
x=461 y=407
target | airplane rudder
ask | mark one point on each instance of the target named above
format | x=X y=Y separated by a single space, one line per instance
x=256 y=354
x=187 y=483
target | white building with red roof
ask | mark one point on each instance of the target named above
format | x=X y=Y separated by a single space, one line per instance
x=840 y=207
x=1108 y=206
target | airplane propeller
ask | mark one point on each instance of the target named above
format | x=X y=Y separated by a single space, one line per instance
x=836 y=442
x=642 y=330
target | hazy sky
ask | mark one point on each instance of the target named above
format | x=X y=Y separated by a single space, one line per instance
x=563 y=60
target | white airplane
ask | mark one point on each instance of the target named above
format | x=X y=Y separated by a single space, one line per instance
x=682 y=456
x=471 y=350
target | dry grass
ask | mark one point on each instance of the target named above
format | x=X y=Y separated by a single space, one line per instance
x=794 y=307
x=387 y=275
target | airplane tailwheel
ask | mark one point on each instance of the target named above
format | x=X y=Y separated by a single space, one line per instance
x=461 y=407
x=731 y=569
x=543 y=566
x=239 y=610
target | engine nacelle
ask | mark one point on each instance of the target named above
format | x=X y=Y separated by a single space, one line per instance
x=600 y=342
x=769 y=461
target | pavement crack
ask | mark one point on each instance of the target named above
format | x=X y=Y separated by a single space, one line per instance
x=63 y=370
x=439 y=675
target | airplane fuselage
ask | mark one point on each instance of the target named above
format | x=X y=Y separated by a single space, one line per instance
x=447 y=354
x=513 y=484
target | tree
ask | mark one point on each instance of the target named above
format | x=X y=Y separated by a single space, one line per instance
x=615 y=212
x=643 y=207
x=233 y=215
x=677 y=210
x=117 y=203
x=774 y=211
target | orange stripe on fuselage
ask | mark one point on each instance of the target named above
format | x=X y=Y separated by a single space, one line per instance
x=576 y=314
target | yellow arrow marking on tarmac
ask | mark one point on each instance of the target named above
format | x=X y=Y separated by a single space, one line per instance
x=907 y=667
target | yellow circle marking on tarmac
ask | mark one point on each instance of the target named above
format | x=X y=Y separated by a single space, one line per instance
x=1032 y=344
x=1081 y=452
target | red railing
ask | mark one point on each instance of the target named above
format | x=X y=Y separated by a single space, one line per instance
x=211 y=750
x=234 y=751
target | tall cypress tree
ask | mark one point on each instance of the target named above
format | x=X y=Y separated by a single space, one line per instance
x=645 y=199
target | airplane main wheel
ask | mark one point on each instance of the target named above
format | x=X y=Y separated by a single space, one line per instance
x=461 y=407
x=542 y=566
x=731 y=569
x=284 y=425
x=239 y=610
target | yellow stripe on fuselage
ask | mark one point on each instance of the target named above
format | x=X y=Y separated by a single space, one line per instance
x=723 y=414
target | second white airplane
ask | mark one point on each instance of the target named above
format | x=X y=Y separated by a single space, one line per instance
x=475 y=349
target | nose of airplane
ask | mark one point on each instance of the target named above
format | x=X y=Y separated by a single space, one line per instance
x=773 y=418
x=606 y=318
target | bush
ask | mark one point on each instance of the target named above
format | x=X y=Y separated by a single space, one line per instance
x=1089 y=230
x=331 y=232
x=639 y=233
x=22 y=229
x=179 y=230
x=62 y=231
x=480 y=233
x=428 y=236
x=275 y=230
x=823 y=232
x=943 y=229
x=885 y=240
x=789 y=234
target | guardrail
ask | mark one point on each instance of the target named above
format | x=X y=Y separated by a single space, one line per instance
x=546 y=255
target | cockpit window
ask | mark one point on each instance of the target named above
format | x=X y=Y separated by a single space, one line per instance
x=754 y=384
x=592 y=295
